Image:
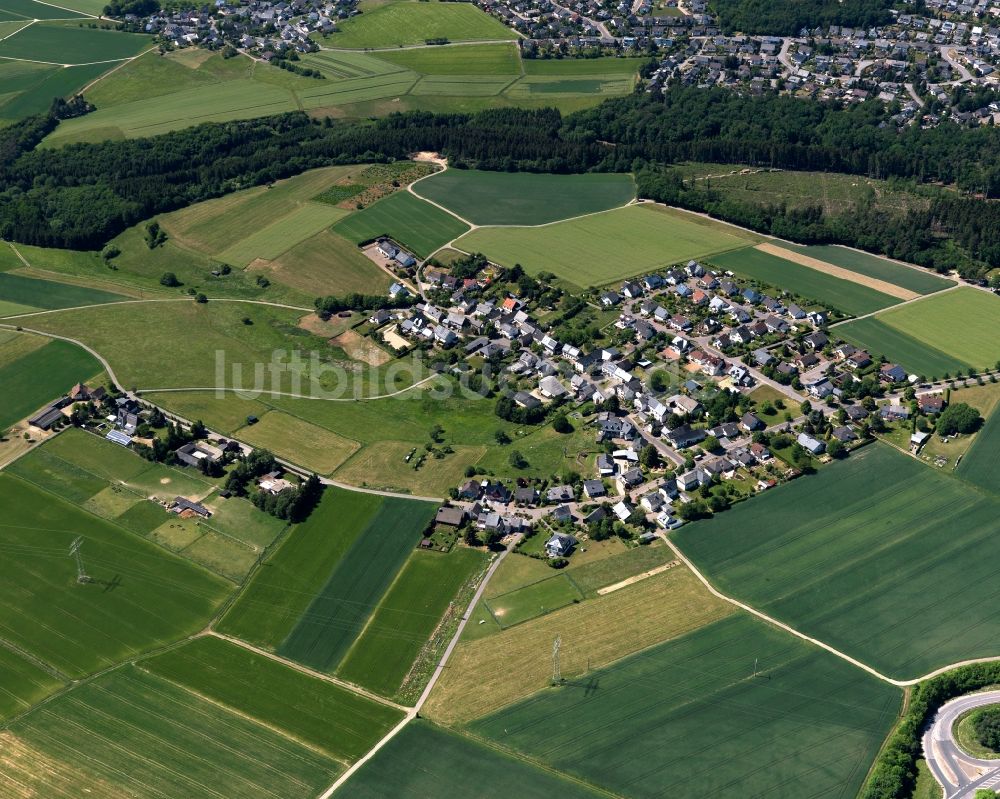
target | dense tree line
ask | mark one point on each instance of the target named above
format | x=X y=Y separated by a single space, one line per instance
x=79 y=196
x=788 y=17
x=894 y=774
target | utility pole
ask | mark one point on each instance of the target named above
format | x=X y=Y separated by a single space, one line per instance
x=755 y=667
x=74 y=552
x=556 y=673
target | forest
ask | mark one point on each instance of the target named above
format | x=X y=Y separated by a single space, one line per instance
x=788 y=17
x=82 y=195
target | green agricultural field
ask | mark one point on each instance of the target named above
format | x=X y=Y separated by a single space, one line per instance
x=572 y=67
x=409 y=613
x=409 y=220
x=67 y=44
x=181 y=344
x=961 y=325
x=981 y=464
x=354 y=588
x=891 y=571
x=22 y=683
x=424 y=760
x=47 y=294
x=524 y=198
x=41 y=376
x=239 y=518
x=92 y=7
x=280 y=592
x=281 y=235
x=810 y=284
x=921 y=281
x=321 y=451
x=140 y=596
x=477 y=59
x=29 y=10
x=534 y=600
x=688 y=719
x=327 y=264
x=129 y=733
x=343 y=724
x=406 y=22
x=917 y=357
x=606 y=247
x=36 y=89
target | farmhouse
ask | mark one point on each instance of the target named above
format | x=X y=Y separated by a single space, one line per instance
x=198 y=452
x=450 y=517
x=185 y=507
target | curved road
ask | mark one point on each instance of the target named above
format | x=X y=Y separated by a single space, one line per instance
x=959 y=773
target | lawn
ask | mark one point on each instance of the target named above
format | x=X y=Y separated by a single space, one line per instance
x=809 y=284
x=922 y=281
x=341 y=607
x=69 y=44
x=322 y=451
x=943 y=333
x=463 y=60
x=129 y=734
x=240 y=518
x=41 y=376
x=415 y=224
x=343 y=724
x=411 y=610
x=413 y=23
x=22 y=684
x=326 y=264
x=48 y=294
x=688 y=718
x=524 y=198
x=383 y=465
x=534 y=600
x=896 y=572
x=140 y=597
x=424 y=761
x=606 y=247
x=479 y=680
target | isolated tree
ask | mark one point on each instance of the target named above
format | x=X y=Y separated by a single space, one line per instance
x=170 y=280
x=517 y=460
x=561 y=424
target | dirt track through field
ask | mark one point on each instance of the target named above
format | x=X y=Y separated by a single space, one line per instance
x=838 y=271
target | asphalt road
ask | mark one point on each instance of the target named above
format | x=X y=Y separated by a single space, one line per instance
x=960 y=774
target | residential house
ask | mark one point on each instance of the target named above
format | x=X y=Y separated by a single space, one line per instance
x=559 y=545
x=810 y=444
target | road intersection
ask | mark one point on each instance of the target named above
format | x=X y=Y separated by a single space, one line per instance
x=959 y=773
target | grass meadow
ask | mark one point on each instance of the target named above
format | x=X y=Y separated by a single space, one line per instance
x=481 y=59
x=343 y=724
x=896 y=572
x=478 y=678
x=177 y=744
x=688 y=718
x=47 y=294
x=415 y=224
x=326 y=264
x=575 y=67
x=410 y=611
x=606 y=247
x=342 y=606
x=69 y=44
x=534 y=600
x=525 y=198
x=808 y=283
x=944 y=332
x=921 y=281
x=140 y=596
x=412 y=23
x=40 y=376
x=22 y=683
x=426 y=760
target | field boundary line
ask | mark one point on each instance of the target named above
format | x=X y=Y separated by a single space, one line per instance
x=45 y=666
x=60 y=63
x=898 y=305
x=414 y=712
x=456 y=43
x=840 y=272
x=103 y=75
x=63 y=8
x=286 y=393
x=781 y=625
x=241 y=714
x=347 y=686
x=27 y=24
